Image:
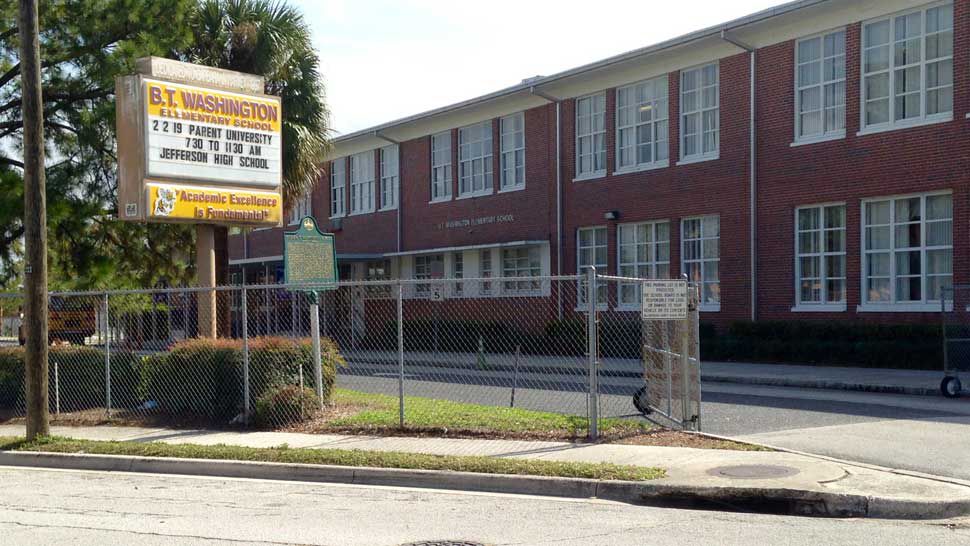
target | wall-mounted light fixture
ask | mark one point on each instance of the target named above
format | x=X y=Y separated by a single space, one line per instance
x=612 y=215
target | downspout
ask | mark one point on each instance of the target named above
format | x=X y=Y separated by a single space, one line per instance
x=400 y=184
x=558 y=103
x=753 y=172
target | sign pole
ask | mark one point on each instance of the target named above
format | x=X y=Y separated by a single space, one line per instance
x=315 y=336
x=205 y=271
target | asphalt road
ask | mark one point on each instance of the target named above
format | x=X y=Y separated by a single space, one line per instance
x=95 y=508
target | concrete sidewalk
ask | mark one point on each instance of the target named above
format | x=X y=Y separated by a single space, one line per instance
x=882 y=380
x=819 y=486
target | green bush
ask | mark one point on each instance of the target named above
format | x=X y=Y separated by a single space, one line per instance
x=285 y=404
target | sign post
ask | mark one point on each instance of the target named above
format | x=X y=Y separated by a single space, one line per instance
x=309 y=258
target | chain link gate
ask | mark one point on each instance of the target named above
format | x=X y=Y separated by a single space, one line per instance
x=955 y=312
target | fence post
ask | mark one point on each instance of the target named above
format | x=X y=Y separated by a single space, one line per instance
x=685 y=368
x=591 y=345
x=107 y=358
x=244 y=303
x=400 y=352
x=315 y=336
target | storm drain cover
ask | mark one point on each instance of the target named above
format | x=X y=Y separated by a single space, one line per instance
x=444 y=543
x=753 y=471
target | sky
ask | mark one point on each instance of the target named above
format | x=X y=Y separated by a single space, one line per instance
x=387 y=59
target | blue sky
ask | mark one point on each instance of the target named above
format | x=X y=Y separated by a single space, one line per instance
x=386 y=59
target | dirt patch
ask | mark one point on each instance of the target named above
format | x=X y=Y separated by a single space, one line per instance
x=673 y=438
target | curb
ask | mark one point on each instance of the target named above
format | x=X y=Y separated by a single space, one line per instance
x=825 y=385
x=760 y=500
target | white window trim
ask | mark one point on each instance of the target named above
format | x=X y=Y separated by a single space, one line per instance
x=598 y=173
x=923 y=120
x=503 y=188
x=703 y=306
x=620 y=304
x=343 y=188
x=824 y=136
x=926 y=306
x=368 y=206
x=581 y=271
x=801 y=306
x=512 y=293
x=488 y=175
x=700 y=157
x=397 y=189
x=637 y=166
x=447 y=167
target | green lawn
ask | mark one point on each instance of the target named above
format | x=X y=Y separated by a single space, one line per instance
x=378 y=411
x=376 y=459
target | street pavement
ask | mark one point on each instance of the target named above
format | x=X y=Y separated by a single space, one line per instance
x=41 y=507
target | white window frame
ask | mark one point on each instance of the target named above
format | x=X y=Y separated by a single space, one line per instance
x=923 y=118
x=362 y=183
x=390 y=176
x=512 y=152
x=652 y=264
x=514 y=288
x=925 y=305
x=658 y=125
x=597 y=133
x=823 y=254
x=823 y=83
x=700 y=111
x=301 y=209
x=338 y=191
x=424 y=289
x=485 y=268
x=441 y=167
x=475 y=167
x=709 y=306
x=602 y=288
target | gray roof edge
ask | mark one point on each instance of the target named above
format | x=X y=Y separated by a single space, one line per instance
x=597 y=65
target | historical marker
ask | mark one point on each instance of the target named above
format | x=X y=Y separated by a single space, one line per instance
x=309 y=257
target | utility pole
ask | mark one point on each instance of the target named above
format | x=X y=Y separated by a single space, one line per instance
x=35 y=224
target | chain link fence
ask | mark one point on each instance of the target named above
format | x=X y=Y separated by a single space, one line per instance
x=534 y=343
x=955 y=312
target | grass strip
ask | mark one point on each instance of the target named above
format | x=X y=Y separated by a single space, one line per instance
x=339 y=457
x=381 y=411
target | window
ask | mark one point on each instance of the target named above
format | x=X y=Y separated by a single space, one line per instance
x=908 y=245
x=521 y=262
x=699 y=112
x=441 y=166
x=591 y=136
x=908 y=68
x=591 y=251
x=644 y=253
x=389 y=177
x=426 y=268
x=820 y=86
x=301 y=209
x=485 y=270
x=362 y=182
x=820 y=255
x=641 y=124
x=475 y=159
x=338 y=184
x=512 y=141
x=379 y=270
x=701 y=256
x=458 y=272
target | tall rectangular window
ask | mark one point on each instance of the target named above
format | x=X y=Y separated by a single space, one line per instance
x=390 y=175
x=641 y=124
x=338 y=185
x=591 y=135
x=820 y=86
x=301 y=209
x=820 y=254
x=591 y=251
x=475 y=159
x=426 y=268
x=643 y=253
x=362 y=182
x=908 y=244
x=458 y=272
x=441 y=166
x=701 y=256
x=525 y=263
x=908 y=67
x=512 y=145
x=485 y=270
x=699 y=112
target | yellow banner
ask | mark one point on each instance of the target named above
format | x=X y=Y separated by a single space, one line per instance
x=214 y=205
x=198 y=104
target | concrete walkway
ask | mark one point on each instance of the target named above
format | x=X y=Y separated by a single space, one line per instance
x=888 y=493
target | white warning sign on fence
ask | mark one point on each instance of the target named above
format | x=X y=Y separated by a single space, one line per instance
x=664 y=300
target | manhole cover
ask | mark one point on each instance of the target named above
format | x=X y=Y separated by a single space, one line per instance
x=753 y=471
x=444 y=543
